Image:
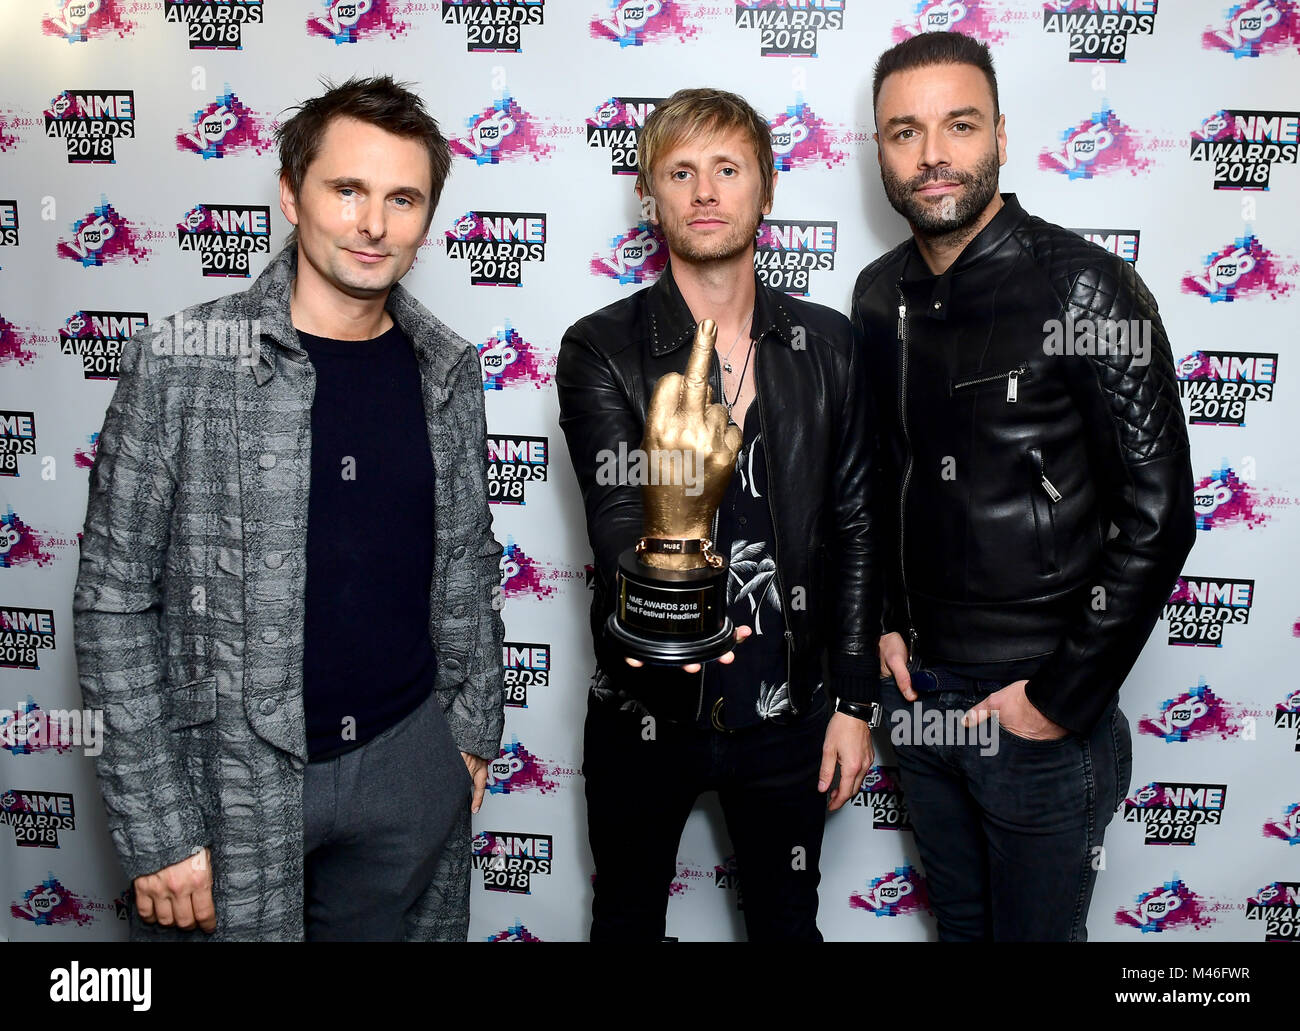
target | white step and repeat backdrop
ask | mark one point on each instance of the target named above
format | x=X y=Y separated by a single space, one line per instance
x=1166 y=133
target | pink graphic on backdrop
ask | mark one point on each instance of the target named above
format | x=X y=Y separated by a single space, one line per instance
x=522 y=575
x=508 y=360
x=468 y=227
x=1243 y=268
x=20 y=545
x=227 y=126
x=50 y=903
x=9 y=130
x=347 y=21
x=1222 y=499
x=975 y=18
x=84 y=457
x=1100 y=144
x=502 y=131
x=103 y=236
x=1195 y=714
x=16 y=345
x=800 y=137
x=1172 y=906
x=638 y=255
x=1255 y=28
x=29 y=731
x=633 y=23
x=518 y=769
x=1287 y=826
x=80 y=20
x=514 y=933
x=897 y=893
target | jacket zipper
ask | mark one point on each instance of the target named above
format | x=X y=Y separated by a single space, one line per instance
x=907 y=471
x=1012 y=377
x=776 y=535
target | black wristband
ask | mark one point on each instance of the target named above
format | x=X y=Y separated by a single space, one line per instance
x=867 y=712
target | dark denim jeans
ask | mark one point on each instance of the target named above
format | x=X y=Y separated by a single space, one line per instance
x=1011 y=840
x=640 y=792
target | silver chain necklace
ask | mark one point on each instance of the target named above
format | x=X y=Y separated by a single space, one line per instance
x=726 y=361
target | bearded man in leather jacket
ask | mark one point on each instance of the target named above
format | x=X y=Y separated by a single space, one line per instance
x=794 y=522
x=1036 y=506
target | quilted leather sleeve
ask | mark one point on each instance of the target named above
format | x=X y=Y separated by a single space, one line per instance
x=1138 y=453
x=117 y=606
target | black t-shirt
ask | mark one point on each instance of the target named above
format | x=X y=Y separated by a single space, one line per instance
x=368 y=658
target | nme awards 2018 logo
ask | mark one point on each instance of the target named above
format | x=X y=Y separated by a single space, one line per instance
x=1099 y=29
x=1122 y=243
x=1098 y=145
x=510 y=859
x=493 y=28
x=24 y=634
x=513 y=463
x=96 y=337
x=882 y=793
x=638 y=255
x=17 y=437
x=1243 y=146
x=1200 y=607
x=224 y=236
x=213 y=26
x=1218 y=385
x=80 y=20
x=633 y=23
x=37 y=816
x=1242 y=269
x=1172 y=906
x=346 y=21
x=497 y=244
x=973 y=18
x=1255 y=27
x=8 y=223
x=1277 y=907
x=524 y=665
x=789 y=28
x=1196 y=713
x=226 y=126
x=1285 y=717
x=102 y=235
x=508 y=360
x=90 y=122
x=500 y=132
x=617 y=124
x=897 y=893
x=787 y=253
x=799 y=137
x=1171 y=813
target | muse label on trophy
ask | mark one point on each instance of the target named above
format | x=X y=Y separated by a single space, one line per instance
x=670 y=602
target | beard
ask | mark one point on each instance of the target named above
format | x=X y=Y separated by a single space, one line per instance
x=736 y=239
x=950 y=215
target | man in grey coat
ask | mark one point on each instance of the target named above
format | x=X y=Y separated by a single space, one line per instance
x=300 y=676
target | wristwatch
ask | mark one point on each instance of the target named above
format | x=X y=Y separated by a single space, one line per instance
x=868 y=712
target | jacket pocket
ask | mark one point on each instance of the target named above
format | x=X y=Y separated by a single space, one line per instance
x=1043 y=498
x=192 y=704
x=1008 y=378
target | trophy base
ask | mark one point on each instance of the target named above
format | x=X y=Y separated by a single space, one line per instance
x=672 y=653
x=670 y=617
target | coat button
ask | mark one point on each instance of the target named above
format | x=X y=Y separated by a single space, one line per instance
x=459 y=552
x=273 y=559
x=268 y=706
x=270 y=636
x=459 y=610
x=267 y=461
x=452 y=665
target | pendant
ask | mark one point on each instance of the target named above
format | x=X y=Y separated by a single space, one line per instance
x=727 y=366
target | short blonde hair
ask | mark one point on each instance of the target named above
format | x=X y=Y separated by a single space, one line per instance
x=689 y=113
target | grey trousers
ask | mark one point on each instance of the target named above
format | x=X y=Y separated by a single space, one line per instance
x=375 y=821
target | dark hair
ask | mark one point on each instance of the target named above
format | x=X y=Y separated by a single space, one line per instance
x=931 y=48
x=378 y=101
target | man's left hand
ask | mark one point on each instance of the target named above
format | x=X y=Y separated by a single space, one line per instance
x=848 y=742
x=1015 y=712
x=478 y=771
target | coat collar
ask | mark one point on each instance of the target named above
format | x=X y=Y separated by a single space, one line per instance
x=437 y=349
x=672 y=325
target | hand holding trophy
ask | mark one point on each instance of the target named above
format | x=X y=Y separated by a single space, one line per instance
x=670 y=606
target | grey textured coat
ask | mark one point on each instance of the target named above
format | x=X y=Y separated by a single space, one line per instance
x=188 y=608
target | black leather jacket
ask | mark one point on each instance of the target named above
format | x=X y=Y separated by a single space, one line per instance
x=1008 y=464
x=813 y=406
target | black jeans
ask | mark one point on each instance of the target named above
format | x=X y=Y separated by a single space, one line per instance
x=1009 y=830
x=642 y=780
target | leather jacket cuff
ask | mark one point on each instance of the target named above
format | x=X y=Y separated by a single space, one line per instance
x=855 y=678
